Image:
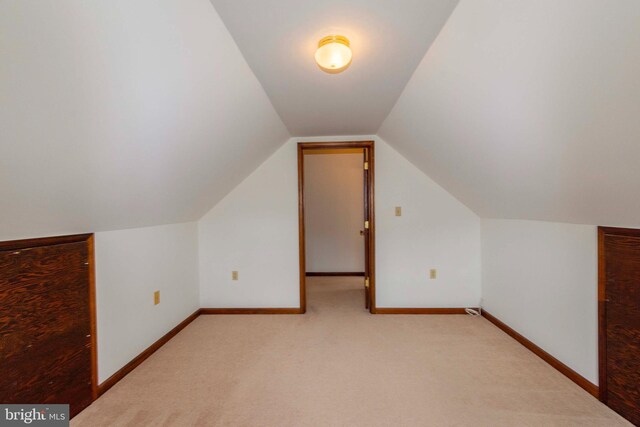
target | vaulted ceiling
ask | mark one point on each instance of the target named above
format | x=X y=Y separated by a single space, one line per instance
x=127 y=113
x=123 y=113
x=530 y=110
x=388 y=38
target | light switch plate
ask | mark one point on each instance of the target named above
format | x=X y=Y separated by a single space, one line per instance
x=398 y=211
x=433 y=273
x=234 y=275
x=156 y=298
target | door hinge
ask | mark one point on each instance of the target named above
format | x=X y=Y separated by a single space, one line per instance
x=366 y=166
x=366 y=283
x=366 y=225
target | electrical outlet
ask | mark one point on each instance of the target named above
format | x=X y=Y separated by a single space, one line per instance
x=234 y=275
x=156 y=298
x=433 y=273
x=398 y=211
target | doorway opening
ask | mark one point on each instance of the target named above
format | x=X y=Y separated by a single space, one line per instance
x=335 y=217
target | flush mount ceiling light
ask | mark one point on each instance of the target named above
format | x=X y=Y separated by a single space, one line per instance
x=333 y=54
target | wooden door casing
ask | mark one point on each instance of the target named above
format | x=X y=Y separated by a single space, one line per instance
x=619 y=314
x=369 y=147
x=367 y=242
x=47 y=325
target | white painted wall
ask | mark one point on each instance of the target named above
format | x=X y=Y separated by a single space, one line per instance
x=130 y=266
x=255 y=230
x=540 y=278
x=334 y=212
x=434 y=231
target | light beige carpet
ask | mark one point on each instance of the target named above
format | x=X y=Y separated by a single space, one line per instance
x=340 y=366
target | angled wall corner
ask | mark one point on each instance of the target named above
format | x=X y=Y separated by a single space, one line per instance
x=146 y=112
x=254 y=230
x=130 y=265
x=519 y=113
x=540 y=278
x=523 y=111
x=435 y=231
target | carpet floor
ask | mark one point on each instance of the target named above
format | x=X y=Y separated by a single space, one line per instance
x=337 y=365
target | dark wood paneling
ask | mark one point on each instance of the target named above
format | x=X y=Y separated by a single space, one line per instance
x=420 y=310
x=602 y=320
x=47 y=322
x=13 y=245
x=564 y=369
x=121 y=373
x=335 y=274
x=619 y=314
x=94 y=320
x=368 y=146
x=251 y=311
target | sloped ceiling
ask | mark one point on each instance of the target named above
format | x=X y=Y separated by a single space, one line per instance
x=120 y=114
x=388 y=38
x=530 y=110
x=117 y=114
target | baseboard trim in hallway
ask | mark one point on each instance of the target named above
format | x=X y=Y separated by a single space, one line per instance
x=291 y=310
x=558 y=365
x=136 y=361
x=419 y=310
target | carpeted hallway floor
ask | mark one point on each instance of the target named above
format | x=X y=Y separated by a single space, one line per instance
x=340 y=366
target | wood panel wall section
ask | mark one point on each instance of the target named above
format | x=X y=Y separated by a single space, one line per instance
x=561 y=367
x=619 y=320
x=48 y=321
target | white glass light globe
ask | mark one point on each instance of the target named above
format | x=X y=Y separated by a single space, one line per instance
x=333 y=54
